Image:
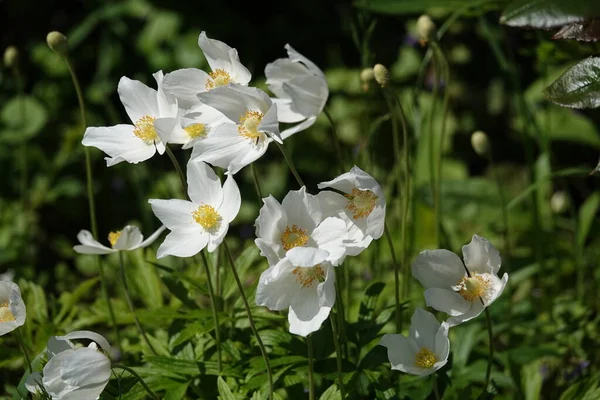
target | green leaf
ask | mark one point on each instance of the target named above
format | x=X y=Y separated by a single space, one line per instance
x=332 y=393
x=577 y=87
x=369 y=300
x=548 y=13
x=24 y=117
x=414 y=6
x=587 y=212
x=224 y=391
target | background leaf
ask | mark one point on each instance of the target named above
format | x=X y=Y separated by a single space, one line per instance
x=577 y=87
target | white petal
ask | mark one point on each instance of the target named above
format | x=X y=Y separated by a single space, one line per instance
x=306 y=256
x=308 y=94
x=277 y=286
x=282 y=70
x=55 y=346
x=232 y=199
x=298 y=128
x=234 y=100
x=496 y=289
x=10 y=292
x=423 y=328
x=446 y=300
x=297 y=57
x=138 y=99
x=271 y=221
x=135 y=155
x=326 y=289
x=164 y=128
x=442 y=343
x=330 y=236
x=89 y=245
x=174 y=213
x=401 y=351
x=305 y=319
x=151 y=238
x=96 y=337
x=285 y=112
x=438 y=268
x=118 y=142
x=481 y=256
x=216 y=52
x=269 y=124
x=273 y=252
x=204 y=186
x=302 y=209
x=476 y=308
x=376 y=222
x=185 y=84
x=183 y=242
x=130 y=238
x=239 y=73
x=34 y=383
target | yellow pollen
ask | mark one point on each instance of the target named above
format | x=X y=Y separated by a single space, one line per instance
x=425 y=358
x=218 y=77
x=309 y=276
x=248 y=125
x=207 y=217
x=473 y=287
x=144 y=129
x=293 y=237
x=5 y=314
x=113 y=237
x=360 y=202
x=195 y=130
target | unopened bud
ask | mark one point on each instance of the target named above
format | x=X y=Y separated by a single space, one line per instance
x=426 y=29
x=381 y=74
x=480 y=143
x=559 y=202
x=58 y=43
x=11 y=56
x=367 y=75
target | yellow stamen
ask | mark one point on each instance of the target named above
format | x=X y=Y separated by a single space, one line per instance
x=473 y=287
x=248 y=125
x=144 y=129
x=5 y=314
x=195 y=130
x=218 y=77
x=309 y=276
x=113 y=237
x=207 y=217
x=425 y=358
x=293 y=237
x=361 y=202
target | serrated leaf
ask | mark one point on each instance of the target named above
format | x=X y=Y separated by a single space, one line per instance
x=224 y=391
x=548 y=13
x=577 y=87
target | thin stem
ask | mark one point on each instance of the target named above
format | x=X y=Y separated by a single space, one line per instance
x=436 y=391
x=250 y=318
x=214 y=309
x=24 y=349
x=290 y=164
x=338 y=356
x=432 y=176
x=336 y=140
x=111 y=311
x=130 y=304
x=341 y=314
x=311 y=379
x=139 y=378
x=488 y=371
x=256 y=181
x=178 y=169
x=388 y=236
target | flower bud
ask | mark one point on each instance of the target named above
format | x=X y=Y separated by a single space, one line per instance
x=559 y=202
x=11 y=55
x=480 y=143
x=58 y=43
x=426 y=29
x=367 y=75
x=381 y=74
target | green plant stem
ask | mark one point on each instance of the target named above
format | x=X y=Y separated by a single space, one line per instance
x=24 y=349
x=214 y=309
x=139 y=378
x=436 y=391
x=250 y=318
x=130 y=303
x=178 y=169
x=311 y=379
x=431 y=138
x=488 y=372
x=111 y=311
x=336 y=141
x=256 y=181
x=338 y=357
x=390 y=242
x=341 y=315
x=290 y=164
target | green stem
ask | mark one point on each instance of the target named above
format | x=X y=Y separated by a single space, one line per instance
x=139 y=378
x=341 y=315
x=432 y=176
x=111 y=311
x=290 y=164
x=256 y=181
x=338 y=356
x=336 y=141
x=130 y=303
x=388 y=236
x=488 y=371
x=311 y=379
x=250 y=318
x=214 y=309
x=178 y=169
x=24 y=349
x=436 y=391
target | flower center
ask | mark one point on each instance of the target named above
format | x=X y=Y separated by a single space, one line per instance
x=248 y=125
x=360 y=202
x=5 y=314
x=144 y=129
x=219 y=77
x=113 y=237
x=309 y=276
x=195 y=130
x=425 y=358
x=293 y=237
x=473 y=287
x=207 y=217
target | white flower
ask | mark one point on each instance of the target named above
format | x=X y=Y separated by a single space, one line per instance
x=426 y=348
x=195 y=125
x=301 y=89
x=75 y=373
x=226 y=68
x=362 y=207
x=298 y=222
x=245 y=137
x=146 y=108
x=450 y=289
x=12 y=307
x=130 y=238
x=304 y=282
x=202 y=221
x=8 y=275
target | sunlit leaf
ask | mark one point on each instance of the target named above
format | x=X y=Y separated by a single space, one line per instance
x=578 y=87
x=548 y=13
x=586 y=31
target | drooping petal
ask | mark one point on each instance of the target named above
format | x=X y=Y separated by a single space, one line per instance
x=138 y=99
x=277 y=286
x=307 y=123
x=423 y=328
x=232 y=199
x=481 y=256
x=151 y=238
x=136 y=155
x=130 y=238
x=119 y=142
x=89 y=245
x=285 y=112
x=174 y=213
x=297 y=57
x=282 y=70
x=96 y=337
x=446 y=300
x=183 y=242
x=204 y=186
x=185 y=84
x=476 y=308
x=438 y=268
x=306 y=317
x=308 y=94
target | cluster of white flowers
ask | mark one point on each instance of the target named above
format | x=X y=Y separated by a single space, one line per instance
x=462 y=291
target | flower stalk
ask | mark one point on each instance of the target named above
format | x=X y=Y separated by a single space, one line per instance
x=290 y=164
x=338 y=357
x=214 y=309
x=311 y=379
x=336 y=141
